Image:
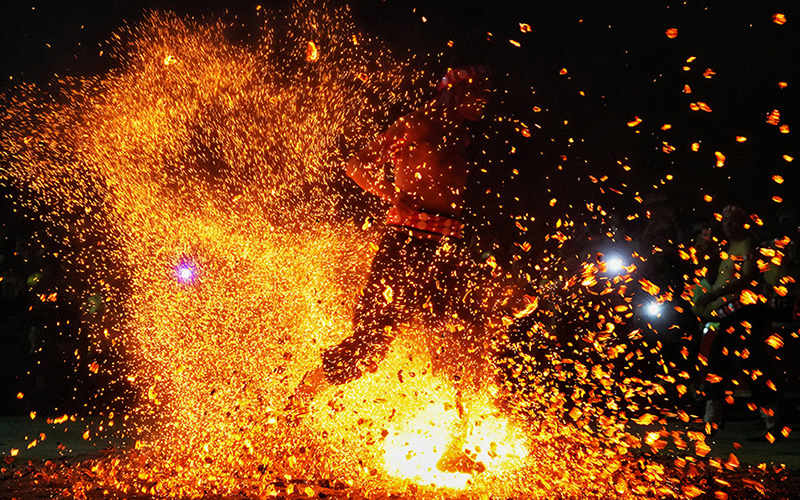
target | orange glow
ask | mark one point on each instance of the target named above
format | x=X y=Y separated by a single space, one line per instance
x=774 y=117
x=312 y=54
x=720 y=159
x=748 y=297
x=775 y=341
x=741 y=138
x=636 y=121
x=524 y=27
x=778 y=18
x=672 y=33
x=563 y=71
x=649 y=287
x=413 y=448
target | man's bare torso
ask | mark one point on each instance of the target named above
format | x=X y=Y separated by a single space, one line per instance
x=430 y=166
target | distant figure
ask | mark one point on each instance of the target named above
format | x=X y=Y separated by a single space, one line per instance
x=422 y=266
x=738 y=341
x=735 y=272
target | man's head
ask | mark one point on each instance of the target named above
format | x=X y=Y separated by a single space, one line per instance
x=466 y=89
x=735 y=222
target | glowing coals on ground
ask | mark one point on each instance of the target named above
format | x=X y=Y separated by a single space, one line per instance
x=201 y=183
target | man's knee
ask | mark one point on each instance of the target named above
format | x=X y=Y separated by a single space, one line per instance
x=357 y=354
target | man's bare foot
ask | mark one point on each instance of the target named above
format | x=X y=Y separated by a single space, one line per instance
x=312 y=383
x=456 y=459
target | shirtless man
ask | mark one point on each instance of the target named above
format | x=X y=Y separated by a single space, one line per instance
x=422 y=266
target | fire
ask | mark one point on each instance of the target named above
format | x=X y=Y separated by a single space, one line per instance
x=214 y=172
x=312 y=53
x=413 y=448
x=720 y=159
x=636 y=121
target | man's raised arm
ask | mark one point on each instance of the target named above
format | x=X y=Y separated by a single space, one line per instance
x=366 y=167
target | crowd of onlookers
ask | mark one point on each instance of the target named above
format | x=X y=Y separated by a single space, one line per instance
x=740 y=305
x=40 y=330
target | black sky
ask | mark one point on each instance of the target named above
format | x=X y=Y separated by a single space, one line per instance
x=620 y=65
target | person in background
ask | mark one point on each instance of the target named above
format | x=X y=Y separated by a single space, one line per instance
x=743 y=320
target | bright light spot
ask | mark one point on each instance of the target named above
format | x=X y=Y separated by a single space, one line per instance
x=413 y=449
x=654 y=309
x=186 y=273
x=615 y=265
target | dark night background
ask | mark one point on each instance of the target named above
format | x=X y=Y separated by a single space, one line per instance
x=620 y=65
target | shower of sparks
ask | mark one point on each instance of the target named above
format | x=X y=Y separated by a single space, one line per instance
x=196 y=146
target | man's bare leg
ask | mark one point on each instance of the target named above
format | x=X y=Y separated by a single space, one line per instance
x=312 y=383
x=456 y=458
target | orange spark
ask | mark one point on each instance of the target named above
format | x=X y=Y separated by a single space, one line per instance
x=312 y=54
x=649 y=287
x=775 y=341
x=773 y=117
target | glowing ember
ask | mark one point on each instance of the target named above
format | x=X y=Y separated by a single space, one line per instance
x=312 y=53
x=779 y=18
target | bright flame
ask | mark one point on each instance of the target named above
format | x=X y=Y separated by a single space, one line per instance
x=413 y=448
